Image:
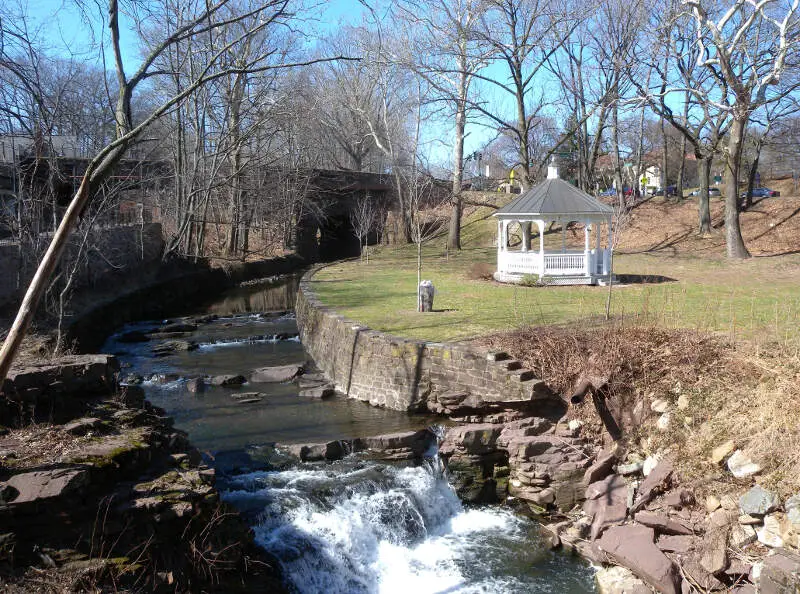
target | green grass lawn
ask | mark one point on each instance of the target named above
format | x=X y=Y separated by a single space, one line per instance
x=755 y=299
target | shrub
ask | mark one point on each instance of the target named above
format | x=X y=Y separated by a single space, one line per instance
x=481 y=271
x=530 y=280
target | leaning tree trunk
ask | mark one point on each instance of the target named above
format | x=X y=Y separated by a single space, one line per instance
x=40 y=280
x=703 y=208
x=733 y=232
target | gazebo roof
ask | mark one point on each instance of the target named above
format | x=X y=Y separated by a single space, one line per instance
x=555 y=197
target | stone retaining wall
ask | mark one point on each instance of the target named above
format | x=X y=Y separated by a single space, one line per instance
x=405 y=374
x=110 y=249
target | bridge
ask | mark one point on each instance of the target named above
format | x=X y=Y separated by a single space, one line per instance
x=324 y=232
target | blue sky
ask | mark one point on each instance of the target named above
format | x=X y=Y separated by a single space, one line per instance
x=65 y=30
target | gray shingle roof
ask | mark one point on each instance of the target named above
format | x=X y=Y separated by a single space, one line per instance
x=555 y=197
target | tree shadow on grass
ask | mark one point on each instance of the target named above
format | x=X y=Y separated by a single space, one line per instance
x=643 y=279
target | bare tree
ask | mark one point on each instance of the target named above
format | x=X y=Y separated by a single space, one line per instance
x=449 y=54
x=207 y=18
x=745 y=45
x=681 y=82
x=363 y=217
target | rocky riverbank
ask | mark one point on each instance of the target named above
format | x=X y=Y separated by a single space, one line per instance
x=636 y=517
x=99 y=490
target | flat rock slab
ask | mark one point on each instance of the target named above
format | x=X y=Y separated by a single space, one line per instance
x=227 y=381
x=632 y=546
x=478 y=438
x=416 y=443
x=280 y=373
x=714 y=549
x=321 y=392
x=601 y=467
x=619 y=580
x=655 y=482
x=781 y=573
x=607 y=501
x=661 y=523
x=677 y=543
x=44 y=485
x=82 y=426
x=247 y=395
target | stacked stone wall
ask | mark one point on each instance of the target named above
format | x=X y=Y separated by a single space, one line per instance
x=406 y=374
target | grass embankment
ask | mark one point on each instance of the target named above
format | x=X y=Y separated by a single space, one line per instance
x=720 y=334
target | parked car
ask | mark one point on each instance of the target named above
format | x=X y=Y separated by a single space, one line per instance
x=712 y=192
x=671 y=191
x=762 y=193
x=609 y=192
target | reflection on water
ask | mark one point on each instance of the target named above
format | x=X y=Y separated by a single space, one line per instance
x=269 y=295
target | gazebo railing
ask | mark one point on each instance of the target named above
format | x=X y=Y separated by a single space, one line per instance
x=564 y=263
x=520 y=262
x=555 y=264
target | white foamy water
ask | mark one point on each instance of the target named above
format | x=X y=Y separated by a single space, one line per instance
x=377 y=529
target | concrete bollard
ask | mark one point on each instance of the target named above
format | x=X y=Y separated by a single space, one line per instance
x=425 y=296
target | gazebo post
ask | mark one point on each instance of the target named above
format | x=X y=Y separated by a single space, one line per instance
x=563 y=237
x=607 y=255
x=540 y=226
x=526 y=236
x=587 y=228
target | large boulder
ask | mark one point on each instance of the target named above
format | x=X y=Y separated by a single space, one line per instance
x=633 y=546
x=473 y=439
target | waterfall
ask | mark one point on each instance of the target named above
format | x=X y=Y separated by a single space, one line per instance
x=369 y=528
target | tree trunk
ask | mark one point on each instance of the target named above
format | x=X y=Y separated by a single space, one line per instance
x=751 y=176
x=615 y=153
x=733 y=233
x=454 y=232
x=681 y=170
x=703 y=208
x=640 y=154
x=664 y=161
x=40 y=280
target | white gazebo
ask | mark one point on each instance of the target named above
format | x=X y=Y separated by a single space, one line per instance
x=555 y=201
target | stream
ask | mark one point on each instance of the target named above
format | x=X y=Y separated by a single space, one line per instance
x=351 y=526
